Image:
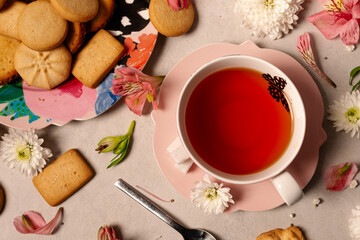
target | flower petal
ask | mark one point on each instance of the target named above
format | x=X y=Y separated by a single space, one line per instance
x=350 y=3
x=355 y=11
x=184 y=4
x=136 y=102
x=38 y=222
x=328 y=25
x=306 y=52
x=174 y=4
x=49 y=228
x=36 y=219
x=350 y=32
x=338 y=177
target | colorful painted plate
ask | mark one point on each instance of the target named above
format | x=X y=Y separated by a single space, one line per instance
x=251 y=197
x=24 y=107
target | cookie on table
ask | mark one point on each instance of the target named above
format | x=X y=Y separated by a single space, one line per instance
x=106 y=10
x=7 y=55
x=290 y=233
x=63 y=177
x=169 y=22
x=76 y=11
x=76 y=36
x=40 y=27
x=43 y=69
x=96 y=59
x=9 y=15
x=2 y=2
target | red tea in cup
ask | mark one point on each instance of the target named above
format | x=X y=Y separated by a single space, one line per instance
x=234 y=123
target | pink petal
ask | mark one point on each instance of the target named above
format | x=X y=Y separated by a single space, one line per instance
x=184 y=4
x=350 y=33
x=338 y=177
x=304 y=48
x=174 y=4
x=327 y=24
x=35 y=218
x=355 y=11
x=140 y=98
x=39 y=223
x=350 y=3
x=19 y=225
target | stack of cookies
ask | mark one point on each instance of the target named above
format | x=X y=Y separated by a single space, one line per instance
x=42 y=41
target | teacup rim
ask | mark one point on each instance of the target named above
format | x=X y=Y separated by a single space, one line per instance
x=219 y=174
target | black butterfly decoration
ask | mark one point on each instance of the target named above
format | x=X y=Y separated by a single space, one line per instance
x=276 y=87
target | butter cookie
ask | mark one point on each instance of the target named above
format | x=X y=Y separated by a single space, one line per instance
x=40 y=27
x=43 y=69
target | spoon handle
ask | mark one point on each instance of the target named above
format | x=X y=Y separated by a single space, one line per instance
x=149 y=205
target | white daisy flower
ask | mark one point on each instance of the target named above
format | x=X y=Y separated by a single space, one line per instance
x=23 y=152
x=354 y=224
x=211 y=197
x=345 y=113
x=271 y=18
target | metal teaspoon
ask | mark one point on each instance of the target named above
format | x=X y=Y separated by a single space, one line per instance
x=188 y=234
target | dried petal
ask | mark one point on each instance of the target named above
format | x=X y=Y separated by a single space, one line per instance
x=339 y=177
x=32 y=222
x=306 y=52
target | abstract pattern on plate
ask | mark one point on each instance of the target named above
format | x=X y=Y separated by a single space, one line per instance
x=24 y=107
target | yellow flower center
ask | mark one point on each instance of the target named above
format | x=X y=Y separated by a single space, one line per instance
x=269 y=3
x=334 y=5
x=352 y=115
x=211 y=193
x=23 y=152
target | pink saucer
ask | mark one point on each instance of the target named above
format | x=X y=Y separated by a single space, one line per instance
x=252 y=197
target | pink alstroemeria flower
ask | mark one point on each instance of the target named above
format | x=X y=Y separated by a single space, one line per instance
x=136 y=87
x=176 y=5
x=340 y=17
x=338 y=177
x=306 y=52
x=107 y=233
x=32 y=222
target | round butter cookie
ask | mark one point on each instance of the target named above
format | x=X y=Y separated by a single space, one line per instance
x=43 y=69
x=169 y=22
x=7 y=53
x=76 y=36
x=40 y=27
x=76 y=10
x=106 y=10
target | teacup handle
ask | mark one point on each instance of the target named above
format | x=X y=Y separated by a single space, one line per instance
x=287 y=187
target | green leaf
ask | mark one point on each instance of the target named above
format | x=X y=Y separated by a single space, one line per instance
x=355 y=86
x=353 y=73
x=10 y=92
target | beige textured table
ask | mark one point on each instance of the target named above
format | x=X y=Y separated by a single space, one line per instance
x=99 y=202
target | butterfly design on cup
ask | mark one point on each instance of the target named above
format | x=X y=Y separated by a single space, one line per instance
x=276 y=87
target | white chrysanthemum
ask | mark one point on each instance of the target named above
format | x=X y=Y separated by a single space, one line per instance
x=354 y=224
x=271 y=18
x=211 y=197
x=23 y=152
x=345 y=113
